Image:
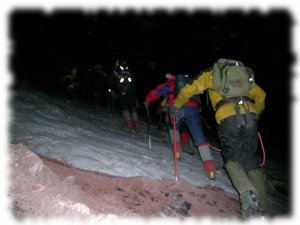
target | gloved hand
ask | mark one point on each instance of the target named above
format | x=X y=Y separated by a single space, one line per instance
x=146 y=103
x=174 y=111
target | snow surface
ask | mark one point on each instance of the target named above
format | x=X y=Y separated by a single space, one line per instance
x=92 y=138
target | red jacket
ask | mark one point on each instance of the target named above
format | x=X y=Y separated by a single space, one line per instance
x=168 y=88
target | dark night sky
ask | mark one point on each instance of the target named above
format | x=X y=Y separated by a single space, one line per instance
x=177 y=42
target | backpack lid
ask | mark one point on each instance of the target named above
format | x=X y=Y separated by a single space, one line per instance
x=231 y=78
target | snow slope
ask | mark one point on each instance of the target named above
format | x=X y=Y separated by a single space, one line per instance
x=92 y=138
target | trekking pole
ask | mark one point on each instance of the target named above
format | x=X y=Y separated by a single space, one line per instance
x=148 y=126
x=174 y=121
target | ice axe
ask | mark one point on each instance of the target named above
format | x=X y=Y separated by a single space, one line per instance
x=174 y=121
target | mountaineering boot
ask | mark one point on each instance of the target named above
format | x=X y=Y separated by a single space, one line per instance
x=210 y=169
x=185 y=143
x=209 y=164
x=128 y=124
x=136 y=124
x=248 y=194
x=250 y=205
x=258 y=179
x=178 y=150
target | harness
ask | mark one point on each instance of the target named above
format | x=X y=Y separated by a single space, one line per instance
x=241 y=119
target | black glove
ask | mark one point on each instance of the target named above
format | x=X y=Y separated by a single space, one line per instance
x=146 y=103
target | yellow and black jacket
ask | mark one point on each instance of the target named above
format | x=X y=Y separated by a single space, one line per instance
x=204 y=82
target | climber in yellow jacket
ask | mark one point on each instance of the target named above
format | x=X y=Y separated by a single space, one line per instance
x=205 y=82
x=237 y=128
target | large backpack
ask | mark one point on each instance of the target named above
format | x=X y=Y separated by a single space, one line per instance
x=125 y=82
x=231 y=78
